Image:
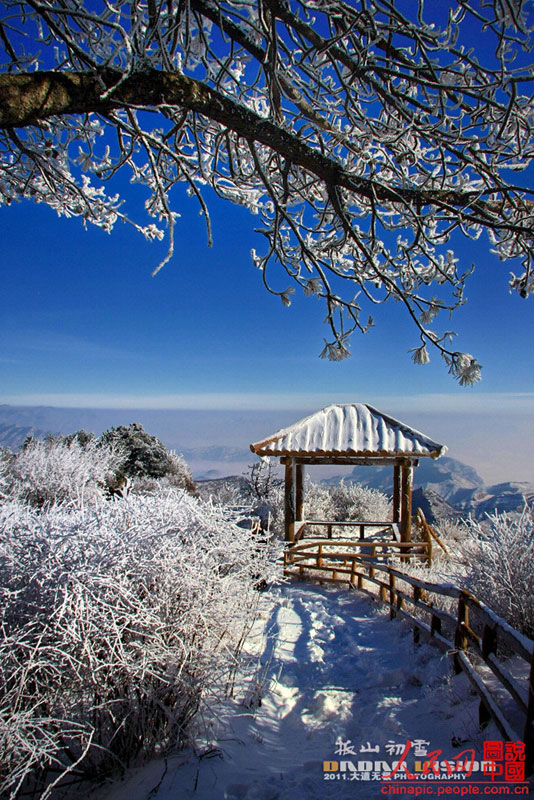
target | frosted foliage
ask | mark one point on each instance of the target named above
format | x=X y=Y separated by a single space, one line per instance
x=44 y=473
x=118 y=624
x=497 y=565
x=5 y=458
x=179 y=476
x=180 y=469
x=361 y=135
x=346 y=501
x=275 y=503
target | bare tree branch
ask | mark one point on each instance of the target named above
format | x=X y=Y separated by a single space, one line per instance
x=364 y=135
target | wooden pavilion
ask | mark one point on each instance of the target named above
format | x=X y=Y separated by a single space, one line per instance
x=350 y=434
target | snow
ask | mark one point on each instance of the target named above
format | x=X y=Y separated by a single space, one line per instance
x=324 y=665
x=350 y=429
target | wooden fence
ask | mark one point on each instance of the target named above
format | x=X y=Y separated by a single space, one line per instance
x=378 y=529
x=339 y=555
x=480 y=641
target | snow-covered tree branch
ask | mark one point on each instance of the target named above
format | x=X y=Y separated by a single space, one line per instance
x=363 y=135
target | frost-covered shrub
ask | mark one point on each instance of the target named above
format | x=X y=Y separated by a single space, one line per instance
x=451 y=531
x=117 y=623
x=45 y=473
x=346 y=501
x=231 y=491
x=5 y=460
x=179 y=476
x=496 y=564
x=179 y=472
x=144 y=456
x=263 y=480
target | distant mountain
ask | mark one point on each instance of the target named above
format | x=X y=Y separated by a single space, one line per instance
x=446 y=476
x=12 y=436
x=500 y=497
x=446 y=487
x=443 y=475
x=434 y=507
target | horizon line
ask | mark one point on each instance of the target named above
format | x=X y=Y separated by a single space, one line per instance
x=478 y=402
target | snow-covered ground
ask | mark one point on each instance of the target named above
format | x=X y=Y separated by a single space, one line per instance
x=329 y=678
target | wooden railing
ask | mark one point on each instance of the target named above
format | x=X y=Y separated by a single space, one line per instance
x=389 y=529
x=480 y=641
x=337 y=555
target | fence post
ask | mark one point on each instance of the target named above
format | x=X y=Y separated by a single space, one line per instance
x=392 y=593
x=373 y=555
x=460 y=637
x=435 y=625
x=320 y=556
x=428 y=539
x=489 y=645
x=417 y=592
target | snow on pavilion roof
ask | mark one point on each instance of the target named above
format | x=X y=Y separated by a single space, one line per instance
x=354 y=429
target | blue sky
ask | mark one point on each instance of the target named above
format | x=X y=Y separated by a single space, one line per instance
x=81 y=314
x=83 y=323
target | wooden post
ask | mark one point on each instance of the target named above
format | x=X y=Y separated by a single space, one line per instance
x=392 y=595
x=460 y=638
x=289 y=501
x=489 y=645
x=417 y=593
x=373 y=556
x=435 y=625
x=406 y=501
x=396 y=492
x=428 y=540
x=299 y=490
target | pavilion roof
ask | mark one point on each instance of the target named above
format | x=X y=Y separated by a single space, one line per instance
x=351 y=430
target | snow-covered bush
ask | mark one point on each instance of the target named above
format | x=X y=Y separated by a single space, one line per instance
x=117 y=623
x=451 y=531
x=496 y=564
x=5 y=459
x=231 y=491
x=346 y=501
x=263 y=480
x=179 y=476
x=144 y=456
x=45 y=473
